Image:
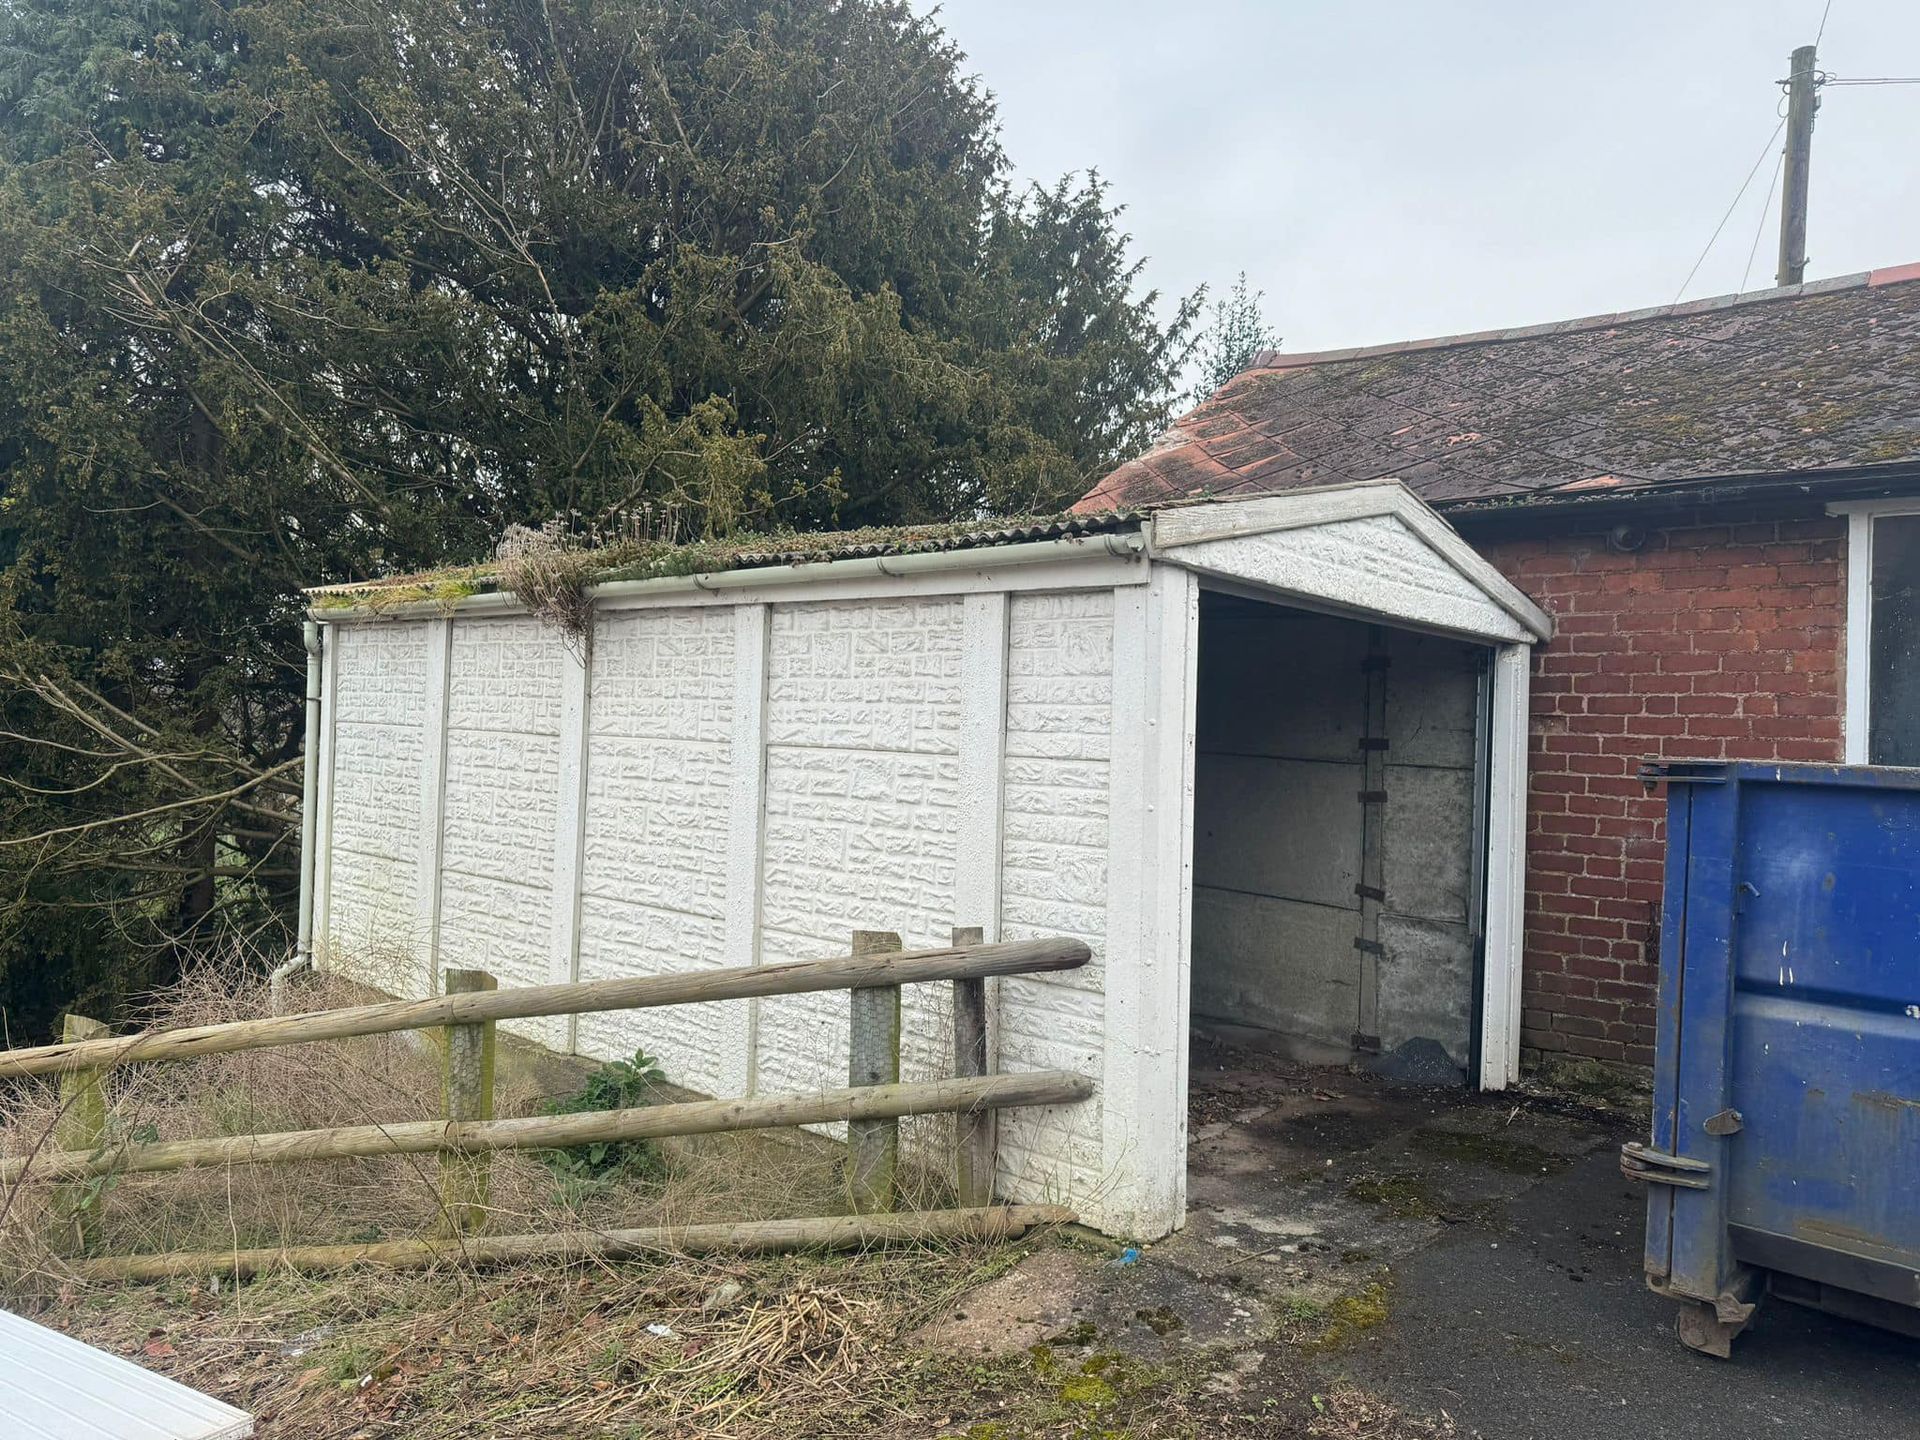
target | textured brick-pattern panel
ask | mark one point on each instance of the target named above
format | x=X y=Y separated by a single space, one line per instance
x=871 y=675
x=379 y=742
x=653 y=876
x=502 y=790
x=1720 y=639
x=862 y=805
x=1054 y=877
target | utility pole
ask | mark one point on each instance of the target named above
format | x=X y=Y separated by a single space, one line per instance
x=1801 y=103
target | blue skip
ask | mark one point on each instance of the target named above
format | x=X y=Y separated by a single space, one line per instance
x=1785 y=1151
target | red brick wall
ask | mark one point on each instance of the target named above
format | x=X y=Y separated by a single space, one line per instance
x=1718 y=639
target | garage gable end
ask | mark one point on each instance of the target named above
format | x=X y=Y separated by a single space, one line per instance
x=1371 y=550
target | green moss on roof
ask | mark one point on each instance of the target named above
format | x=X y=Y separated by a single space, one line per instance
x=765 y=549
x=1782 y=383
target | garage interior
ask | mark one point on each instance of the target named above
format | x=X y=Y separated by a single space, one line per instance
x=1339 y=833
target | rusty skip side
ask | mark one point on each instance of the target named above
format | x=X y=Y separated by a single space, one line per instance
x=1786 y=1127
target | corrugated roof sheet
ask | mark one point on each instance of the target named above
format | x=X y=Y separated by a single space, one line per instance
x=749 y=552
x=53 y=1387
x=1818 y=376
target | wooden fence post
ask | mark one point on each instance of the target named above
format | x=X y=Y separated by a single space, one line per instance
x=873 y=1058
x=466 y=1062
x=972 y=1129
x=82 y=1126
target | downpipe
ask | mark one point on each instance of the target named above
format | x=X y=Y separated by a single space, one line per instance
x=302 y=957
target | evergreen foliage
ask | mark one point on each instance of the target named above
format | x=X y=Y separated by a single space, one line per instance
x=1237 y=333
x=304 y=290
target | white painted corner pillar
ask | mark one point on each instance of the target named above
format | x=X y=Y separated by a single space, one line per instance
x=433 y=798
x=1149 y=904
x=746 y=831
x=570 y=820
x=323 y=794
x=983 y=750
x=1506 y=868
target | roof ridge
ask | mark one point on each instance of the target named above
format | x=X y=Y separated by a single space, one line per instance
x=1859 y=280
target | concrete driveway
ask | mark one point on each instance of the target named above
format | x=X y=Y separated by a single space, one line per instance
x=1473 y=1261
x=1507 y=1249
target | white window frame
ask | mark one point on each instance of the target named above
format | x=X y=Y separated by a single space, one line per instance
x=1857 y=667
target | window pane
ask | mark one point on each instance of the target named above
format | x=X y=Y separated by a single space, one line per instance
x=1893 y=734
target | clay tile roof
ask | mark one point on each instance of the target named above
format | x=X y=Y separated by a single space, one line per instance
x=1810 y=377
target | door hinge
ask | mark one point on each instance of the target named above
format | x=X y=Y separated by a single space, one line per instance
x=1640 y=1161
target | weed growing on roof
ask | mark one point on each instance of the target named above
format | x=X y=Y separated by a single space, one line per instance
x=548 y=571
x=629 y=551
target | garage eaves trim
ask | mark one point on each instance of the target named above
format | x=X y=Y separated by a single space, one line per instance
x=1177 y=527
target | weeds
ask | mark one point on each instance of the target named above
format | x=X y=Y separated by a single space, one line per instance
x=371 y=1080
x=548 y=570
x=617 y=1085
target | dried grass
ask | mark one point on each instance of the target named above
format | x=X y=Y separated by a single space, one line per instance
x=1346 y=1412
x=548 y=571
x=772 y=1346
x=786 y=1346
x=684 y=1346
x=373 y=1079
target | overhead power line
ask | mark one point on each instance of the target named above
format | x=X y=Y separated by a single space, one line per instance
x=1766 y=208
x=1765 y=150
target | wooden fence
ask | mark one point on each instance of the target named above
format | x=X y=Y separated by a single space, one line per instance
x=871 y=1104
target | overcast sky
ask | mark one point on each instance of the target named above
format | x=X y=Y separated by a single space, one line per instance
x=1401 y=168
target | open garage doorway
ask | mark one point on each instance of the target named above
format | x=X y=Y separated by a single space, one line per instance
x=1340 y=829
x=1325 y=847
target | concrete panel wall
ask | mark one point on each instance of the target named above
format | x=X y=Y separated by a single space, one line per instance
x=500 y=804
x=379 y=741
x=1426 y=972
x=1276 y=821
x=742 y=784
x=1279 y=828
x=862 y=816
x=653 y=867
x=1057 y=805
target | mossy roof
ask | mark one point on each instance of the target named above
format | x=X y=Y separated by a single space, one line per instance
x=746 y=552
x=1822 y=376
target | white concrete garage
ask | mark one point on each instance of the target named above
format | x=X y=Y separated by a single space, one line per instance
x=1266 y=757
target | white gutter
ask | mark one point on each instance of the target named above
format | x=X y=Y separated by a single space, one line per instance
x=302 y=956
x=1124 y=544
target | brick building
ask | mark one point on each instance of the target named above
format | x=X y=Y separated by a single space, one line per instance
x=1719 y=504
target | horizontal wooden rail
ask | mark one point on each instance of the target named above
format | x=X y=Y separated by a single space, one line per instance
x=841 y=1232
x=846 y=972
x=546 y=1132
